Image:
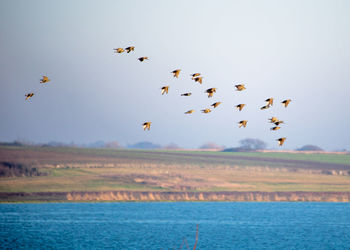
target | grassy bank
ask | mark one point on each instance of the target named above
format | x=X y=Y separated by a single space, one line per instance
x=97 y=170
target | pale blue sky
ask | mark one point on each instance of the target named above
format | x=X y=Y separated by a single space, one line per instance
x=281 y=49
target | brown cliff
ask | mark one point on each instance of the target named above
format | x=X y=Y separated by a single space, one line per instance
x=176 y=196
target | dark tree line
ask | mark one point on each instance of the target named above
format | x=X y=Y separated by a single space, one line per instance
x=8 y=169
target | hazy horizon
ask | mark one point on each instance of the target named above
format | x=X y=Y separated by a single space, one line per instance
x=154 y=145
x=297 y=50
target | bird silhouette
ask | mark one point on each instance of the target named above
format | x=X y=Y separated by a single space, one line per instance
x=141 y=59
x=198 y=79
x=45 y=79
x=275 y=128
x=29 y=95
x=146 y=125
x=240 y=106
x=278 y=123
x=206 y=111
x=286 y=102
x=210 y=92
x=269 y=101
x=190 y=111
x=281 y=140
x=215 y=104
x=195 y=75
x=186 y=94
x=165 y=89
x=265 y=107
x=273 y=119
x=129 y=49
x=176 y=72
x=119 y=50
x=240 y=87
x=243 y=123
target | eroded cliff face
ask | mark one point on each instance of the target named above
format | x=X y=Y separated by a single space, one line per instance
x=208 y=196
x=174 y=196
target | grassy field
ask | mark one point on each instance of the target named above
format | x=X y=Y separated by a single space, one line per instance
x=314 y=157
x=76 y=169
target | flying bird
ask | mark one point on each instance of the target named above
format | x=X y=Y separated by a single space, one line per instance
x=165 y=89
x=119 y=50
x=243 y=123
x=240 y=106
x=286 y=102
x=206 y=111
x=269 y=101
x=176 y=72
x=146 y=125
x=273 y=119
x=198 y=79
x=210 y=92
x=275 y=128
x=141 y=59
x=45 y=79
x=265 y=107
x=195 y=75
x=281 y=140
x=29 y=95
x=186 y=94
x=240 y=87
x=215 y=104
x=129 y=49
x=278 y=123
x=190 y=111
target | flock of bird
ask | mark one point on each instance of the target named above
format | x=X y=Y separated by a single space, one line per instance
x=197 y=77
x=45 y=79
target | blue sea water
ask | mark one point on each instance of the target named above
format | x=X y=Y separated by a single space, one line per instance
x=165 y=225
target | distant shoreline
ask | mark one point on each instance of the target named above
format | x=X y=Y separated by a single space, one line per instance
x=34 y=174
x=155 y=196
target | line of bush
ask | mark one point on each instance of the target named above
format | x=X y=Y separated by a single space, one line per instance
x=9 y=169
